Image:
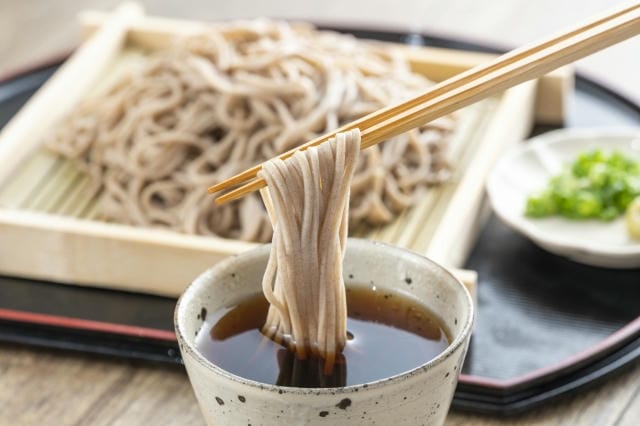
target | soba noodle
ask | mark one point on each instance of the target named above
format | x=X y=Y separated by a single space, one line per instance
x=234 y=96
x=303 y=279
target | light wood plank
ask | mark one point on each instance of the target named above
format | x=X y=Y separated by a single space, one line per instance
x=630 y=416
x=41 y=385
x=46 y=388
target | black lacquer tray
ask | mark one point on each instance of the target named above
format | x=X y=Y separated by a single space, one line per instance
x=546 y=326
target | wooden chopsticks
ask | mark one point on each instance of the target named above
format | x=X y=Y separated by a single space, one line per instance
x=510 y=69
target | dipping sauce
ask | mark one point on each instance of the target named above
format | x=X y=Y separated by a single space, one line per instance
x=388 y=334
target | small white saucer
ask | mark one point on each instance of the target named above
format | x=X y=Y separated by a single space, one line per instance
x=528 y=168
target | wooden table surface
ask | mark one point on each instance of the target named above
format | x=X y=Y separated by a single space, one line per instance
x=46 y=387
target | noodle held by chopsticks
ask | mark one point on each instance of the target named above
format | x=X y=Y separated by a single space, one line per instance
x=239 y=94
x=303 y=279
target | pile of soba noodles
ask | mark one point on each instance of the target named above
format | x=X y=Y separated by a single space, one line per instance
x=234 y=96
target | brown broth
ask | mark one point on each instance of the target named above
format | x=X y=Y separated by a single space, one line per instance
x=388 y=334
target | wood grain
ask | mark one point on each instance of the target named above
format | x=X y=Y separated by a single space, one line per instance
x=630 y=415
x=42 y=387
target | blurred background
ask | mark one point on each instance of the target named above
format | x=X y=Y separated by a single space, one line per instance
x=32 y=30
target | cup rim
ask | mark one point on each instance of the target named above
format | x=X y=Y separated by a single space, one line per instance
x=459 y=340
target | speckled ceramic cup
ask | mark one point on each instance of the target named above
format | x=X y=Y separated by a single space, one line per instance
x=418 y=397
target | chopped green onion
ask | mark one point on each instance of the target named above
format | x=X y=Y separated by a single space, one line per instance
x=597 y=185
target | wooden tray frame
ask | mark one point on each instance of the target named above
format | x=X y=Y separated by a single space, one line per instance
x=69 y=250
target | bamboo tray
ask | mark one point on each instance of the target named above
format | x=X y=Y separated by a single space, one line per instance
x=55 y=232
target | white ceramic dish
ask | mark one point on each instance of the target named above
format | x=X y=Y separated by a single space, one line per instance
x=528 y=168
